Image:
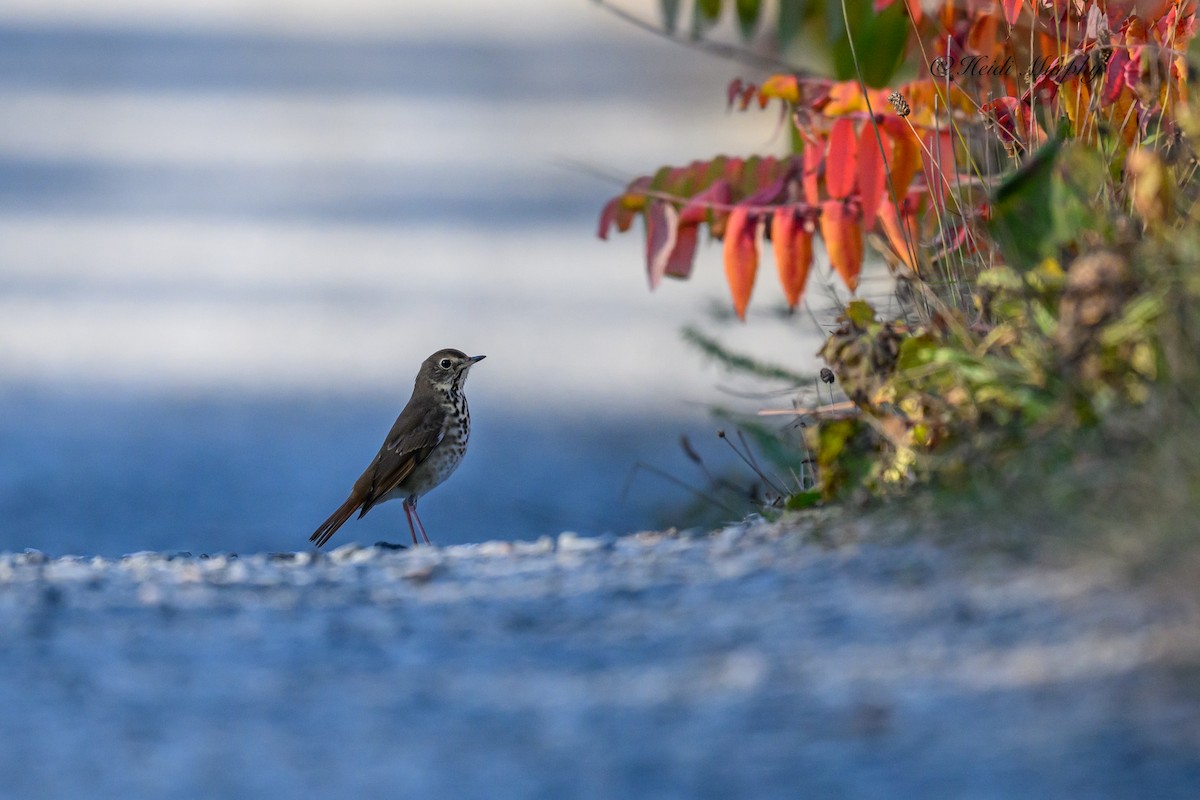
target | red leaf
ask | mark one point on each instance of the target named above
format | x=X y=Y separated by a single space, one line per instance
x=741 y=257
x=1012 y=10
x=952 y=237
x=1004 y=111
x=623 y=208
x=1132 y=74
x=940 y=169
x=733 y=170
x=792 y=243
x=843 y=241
x=748 y=94
x=731 y=94
x=697 y=208
x=607 y=217
x=1114 y=78
x=675 y=181
x=872 y=172
x=814 y=154
x=914 y=10
x=842 y=161
x=679 y=262
x=662 y=228
x=766 y=169
x=769 y=193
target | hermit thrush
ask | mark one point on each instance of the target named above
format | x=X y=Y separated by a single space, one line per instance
x=423 y=448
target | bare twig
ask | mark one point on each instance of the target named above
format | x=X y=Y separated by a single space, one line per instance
x=832 y=408
x=749 y=460
x=672 y=479
x=719 y=49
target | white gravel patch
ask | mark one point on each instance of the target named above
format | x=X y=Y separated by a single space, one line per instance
x=748 y=663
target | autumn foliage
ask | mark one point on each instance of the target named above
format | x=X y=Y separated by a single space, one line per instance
x=912 y=167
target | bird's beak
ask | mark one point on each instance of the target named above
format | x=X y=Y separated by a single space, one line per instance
x=473 y=360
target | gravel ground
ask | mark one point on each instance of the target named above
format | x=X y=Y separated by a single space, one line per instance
x=747 y=663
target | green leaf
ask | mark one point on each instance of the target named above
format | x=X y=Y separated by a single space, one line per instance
x=670 y=14
x=879 y=40
x=1022 y=214
x=795 y=140
x=1135 y=321
x=1052 y=202
x=882 y=47
x=778 y=448
x=860 y=313
x=749 y=179
x=915 y=351
x=803 y=500
x=747 y=14
x=1080 y=177
x=661 y=177
x=738 y=362
x=706 y=15
x=715 y=170
x=1044 y=319
x=791 y=19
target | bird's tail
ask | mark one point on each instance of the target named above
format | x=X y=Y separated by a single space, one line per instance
x=336 y=519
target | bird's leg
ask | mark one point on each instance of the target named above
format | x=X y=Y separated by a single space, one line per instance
x=421 y=525
x=409 y=510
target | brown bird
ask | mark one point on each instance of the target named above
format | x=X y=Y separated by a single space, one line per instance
x=425 y=445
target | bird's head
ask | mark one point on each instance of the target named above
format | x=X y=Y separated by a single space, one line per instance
x=447 y=369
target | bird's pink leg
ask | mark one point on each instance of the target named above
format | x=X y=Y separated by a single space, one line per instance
x=408 y=512
x=421 y=524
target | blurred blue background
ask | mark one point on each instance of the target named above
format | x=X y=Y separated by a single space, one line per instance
x=230 y=232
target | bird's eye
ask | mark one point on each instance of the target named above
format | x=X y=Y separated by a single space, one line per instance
x=444 y=363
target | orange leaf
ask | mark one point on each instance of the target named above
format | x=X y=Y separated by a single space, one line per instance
x=741 y=257
x=872 y=172
x=814 y=154
x=785 y=87
x=842 y=161
x=985 y=38
x=914 y=10
x=927 y=95
x=906 y=156
x=845 y=97
x=843 y=241
x=1076 y=100
x=896 y=227
x=793 y=252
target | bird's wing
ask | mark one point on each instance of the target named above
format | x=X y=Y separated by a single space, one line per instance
x=411 y=440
